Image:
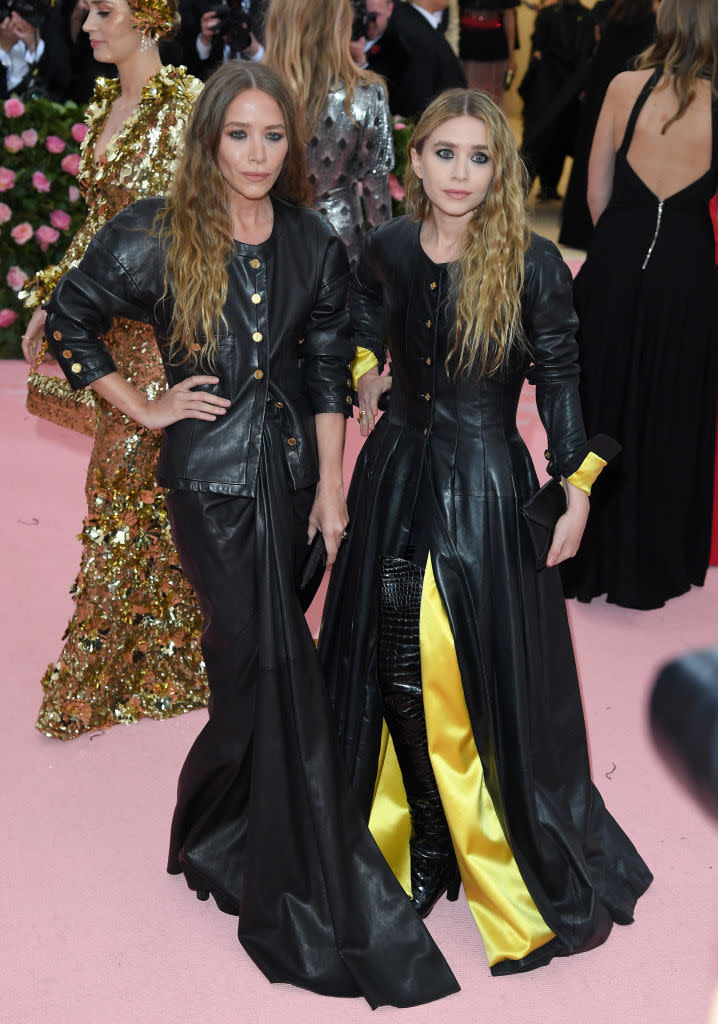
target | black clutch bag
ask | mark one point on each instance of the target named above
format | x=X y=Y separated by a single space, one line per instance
x=542 y=511
x=313 y=569
x=544 y=508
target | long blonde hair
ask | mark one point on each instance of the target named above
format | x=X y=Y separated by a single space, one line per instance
x=308 y=46
x=687 y=46
x=196 y=221
x=489 y=272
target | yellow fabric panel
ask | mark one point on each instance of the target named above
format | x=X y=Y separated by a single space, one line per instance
x=506 y=915
x=585 y=475
x=389 y=820
x=363 y=361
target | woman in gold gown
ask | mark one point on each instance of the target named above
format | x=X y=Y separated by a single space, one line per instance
x=132 y=645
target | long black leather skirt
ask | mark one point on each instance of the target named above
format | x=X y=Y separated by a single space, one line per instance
x=265 y=817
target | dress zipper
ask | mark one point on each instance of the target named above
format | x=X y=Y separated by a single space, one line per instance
x=655 y=235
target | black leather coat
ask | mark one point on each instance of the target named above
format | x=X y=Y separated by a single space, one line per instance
x=460 y=440
x=280 y=344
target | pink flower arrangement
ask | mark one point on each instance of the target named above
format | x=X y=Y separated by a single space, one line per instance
x=16 y=278
x=5 y=213
x=396 y=189
x=46 y=235
x=54 y=144
x=13 y=108
x=78 y=131
x=7 y=179
x=60 y=219
x=13 y=143
x=70 y=163
x=73 y=193
x=22 y=233
x=29 y=137
x=7 y=317
x=40 y=183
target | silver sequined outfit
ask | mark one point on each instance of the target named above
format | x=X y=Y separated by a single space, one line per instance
x=346 y=153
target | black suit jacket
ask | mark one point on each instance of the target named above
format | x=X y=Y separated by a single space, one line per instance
x=431 y=65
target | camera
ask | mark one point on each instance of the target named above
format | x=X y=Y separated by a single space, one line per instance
x=362 y=20
x=234 y=25
x=32 y=11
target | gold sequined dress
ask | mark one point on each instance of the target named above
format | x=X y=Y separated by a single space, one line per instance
x=132 y=645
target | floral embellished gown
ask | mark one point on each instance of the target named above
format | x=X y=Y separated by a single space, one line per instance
x=132 y=646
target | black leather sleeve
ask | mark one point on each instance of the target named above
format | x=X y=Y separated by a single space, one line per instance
x=327 y=350
x=366 y=303
x=117 y=276
x=550 y=323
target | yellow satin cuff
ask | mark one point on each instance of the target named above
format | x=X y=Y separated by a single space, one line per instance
x=389 y=821
x=585 y=475
x=363 y=360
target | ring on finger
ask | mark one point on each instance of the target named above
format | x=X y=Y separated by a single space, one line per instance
x=362 y=412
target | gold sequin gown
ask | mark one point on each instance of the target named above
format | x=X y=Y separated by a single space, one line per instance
x=132 y=646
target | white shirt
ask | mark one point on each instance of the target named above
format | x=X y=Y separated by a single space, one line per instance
x=433 y=17
x=18 y=61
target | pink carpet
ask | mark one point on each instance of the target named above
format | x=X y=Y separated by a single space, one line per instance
x=95 y=931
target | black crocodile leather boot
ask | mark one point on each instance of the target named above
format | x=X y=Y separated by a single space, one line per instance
x=434 y=870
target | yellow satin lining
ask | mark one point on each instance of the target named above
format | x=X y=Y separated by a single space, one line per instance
x=505 y=914
x=389 y=821
x=585 y=475
x=363 y=360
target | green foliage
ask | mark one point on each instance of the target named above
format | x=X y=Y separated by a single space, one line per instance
x=40 y=204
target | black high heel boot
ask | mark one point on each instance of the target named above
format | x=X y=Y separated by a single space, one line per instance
x=434 y=870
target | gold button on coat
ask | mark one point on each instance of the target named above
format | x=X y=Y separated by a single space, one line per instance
x=257 y=336
x=428 y=323
x=292 y=441
x=259 y=374
x=67 y=354
x=428 y=360
x=349 y=399
x=76 y=367
x=57 y=335
x=427 y=396
x=256 y=298
x=254 y=263
x=547 y=454
x=432 y=285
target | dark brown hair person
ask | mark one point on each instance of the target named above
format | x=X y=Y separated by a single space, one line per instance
x=196 y=221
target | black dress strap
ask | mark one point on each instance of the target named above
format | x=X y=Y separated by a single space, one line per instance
x=638 y=107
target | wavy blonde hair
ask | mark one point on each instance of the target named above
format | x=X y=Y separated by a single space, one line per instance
x=489 y=273
x=196 y=221
x=307 y=45
x=687 y=45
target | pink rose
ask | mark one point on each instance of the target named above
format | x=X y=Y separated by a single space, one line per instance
x=21 y=233
x=7 y=179
x=70 y=163
x=16 y=278
x=396 y=190
x=399 y=125
x=29 y=137
x=78 y=131
x=54 y=144
x=7 y=317
x=5 y=213
x=13 y=143
x=60 y=219
x=40 y=182
x=46 y=236
x=73 y=193
x=13 y=108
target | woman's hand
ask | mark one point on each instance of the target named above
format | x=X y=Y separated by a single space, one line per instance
x=33 y=337
x=370 y=388
x=329 y=515
x=569 y=528
x=182 y=403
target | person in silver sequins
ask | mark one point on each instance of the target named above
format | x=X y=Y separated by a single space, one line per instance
x=350 y=150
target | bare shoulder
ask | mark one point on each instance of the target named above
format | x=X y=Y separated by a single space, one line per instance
x=626 y=86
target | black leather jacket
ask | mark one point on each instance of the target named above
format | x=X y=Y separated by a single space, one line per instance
x=287 y=341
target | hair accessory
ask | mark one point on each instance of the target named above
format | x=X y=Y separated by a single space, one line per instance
x=153 y=18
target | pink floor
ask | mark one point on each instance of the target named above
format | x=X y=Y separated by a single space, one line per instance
x=95 y=931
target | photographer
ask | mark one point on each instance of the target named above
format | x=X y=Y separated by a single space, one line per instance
x=227 y=30
x=27 y=65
